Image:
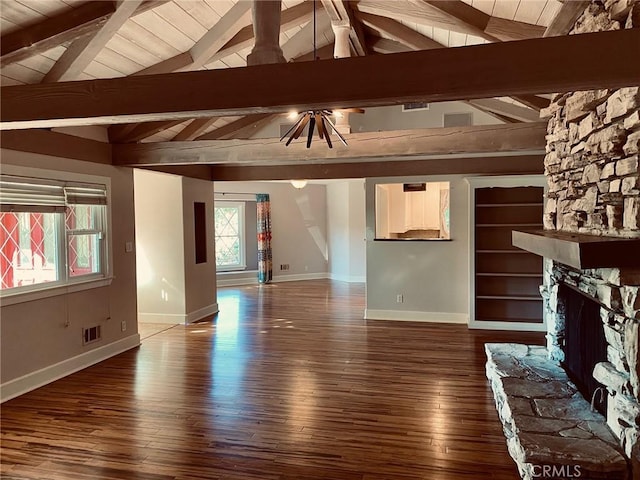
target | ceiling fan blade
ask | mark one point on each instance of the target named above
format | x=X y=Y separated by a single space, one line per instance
x=320 y=125
x=297 y=122
x=333 y=127
x=326 y=133
x=312 y=124
x=303 y=124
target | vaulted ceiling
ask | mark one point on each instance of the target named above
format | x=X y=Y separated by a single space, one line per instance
x=45 y=42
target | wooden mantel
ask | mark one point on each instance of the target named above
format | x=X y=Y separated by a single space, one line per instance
x=578 y=250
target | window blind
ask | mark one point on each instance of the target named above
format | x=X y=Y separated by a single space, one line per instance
x=19 y=194
x=85 y=194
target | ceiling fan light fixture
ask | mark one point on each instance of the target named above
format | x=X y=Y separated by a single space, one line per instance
x=314 y=119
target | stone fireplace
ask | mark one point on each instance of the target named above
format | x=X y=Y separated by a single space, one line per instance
x=591 y=249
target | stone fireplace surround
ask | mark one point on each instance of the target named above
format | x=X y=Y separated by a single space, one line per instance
x=593 y=144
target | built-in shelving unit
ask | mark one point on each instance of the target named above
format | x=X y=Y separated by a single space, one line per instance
x=506 y=279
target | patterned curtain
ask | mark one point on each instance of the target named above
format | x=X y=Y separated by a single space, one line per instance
x=265 y=271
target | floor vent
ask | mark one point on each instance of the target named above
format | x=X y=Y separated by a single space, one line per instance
x=91 y=334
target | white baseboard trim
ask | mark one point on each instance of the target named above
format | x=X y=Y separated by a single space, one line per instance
x=296 y=277
x=347 y=278
x=168 y=318
x=31 y=381
x=510 y=326
x=236 y=282
x=410 y=316
x=202 y=313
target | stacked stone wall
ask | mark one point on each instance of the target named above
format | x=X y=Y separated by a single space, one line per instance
x=592 y=161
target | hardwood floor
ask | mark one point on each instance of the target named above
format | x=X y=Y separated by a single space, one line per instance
x=289 y=382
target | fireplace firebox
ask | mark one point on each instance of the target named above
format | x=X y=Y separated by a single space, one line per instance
x=585 y=344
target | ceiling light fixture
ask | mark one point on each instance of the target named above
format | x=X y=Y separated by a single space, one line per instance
x=313 y=118
x=299 y=184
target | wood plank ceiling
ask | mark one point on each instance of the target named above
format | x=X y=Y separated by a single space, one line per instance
x=52 y=40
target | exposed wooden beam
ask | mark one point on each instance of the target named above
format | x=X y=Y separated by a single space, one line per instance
x=452 y=15
x=203 y=172
x=356 y=36
x=322 y=53
x=497 y=116
x=236 y=20
x=464 y=16
x=118 y=133
x=56 y=144
x=65 y=27
x=509 y=68
x=507 y=109
x=507 y=30
x=363 y=147
x=54 y=31
x=384 y=45
x=458 y=165
x=532 y=101
x=81 y=52
x=290 y=18
x=149 y=129
x=238 y=16
x=299 y=43
x=194 y=129
x=250 y=130
x=230 y=128
x=566 y=17
x=341 y=12
x=177 y=63
x=399 y=32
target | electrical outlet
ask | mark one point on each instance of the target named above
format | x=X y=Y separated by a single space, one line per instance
x=284 y=266
x=123 y=325
x=399 y=298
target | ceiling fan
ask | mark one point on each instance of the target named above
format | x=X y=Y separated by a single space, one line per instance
x=321 y=120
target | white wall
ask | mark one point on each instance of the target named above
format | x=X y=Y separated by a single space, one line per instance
x=42 y=338
x=346 y=230
x=393 y=118
x=432 y=276
x=159 y=246
x=200 y=278
x=299 y=223
x=172 y=288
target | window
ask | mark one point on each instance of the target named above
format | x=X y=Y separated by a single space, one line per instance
x=412 y=211
x=229 y=235
x=51 y=232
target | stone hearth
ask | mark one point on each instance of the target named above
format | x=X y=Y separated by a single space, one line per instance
x=593 y=147
x=546 y=424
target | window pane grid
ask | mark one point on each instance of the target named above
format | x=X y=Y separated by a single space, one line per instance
x=229 y=242
x=27 y=249
x=43 y=244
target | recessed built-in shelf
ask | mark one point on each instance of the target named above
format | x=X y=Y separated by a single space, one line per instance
x=579 y=250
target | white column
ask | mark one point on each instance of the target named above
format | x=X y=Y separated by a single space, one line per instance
x=266 y=30
x=342 y=49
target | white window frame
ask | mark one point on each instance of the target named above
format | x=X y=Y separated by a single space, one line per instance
x=240 y=205
x=66 y=283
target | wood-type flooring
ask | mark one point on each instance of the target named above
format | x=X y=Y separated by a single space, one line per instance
x=288 y=382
